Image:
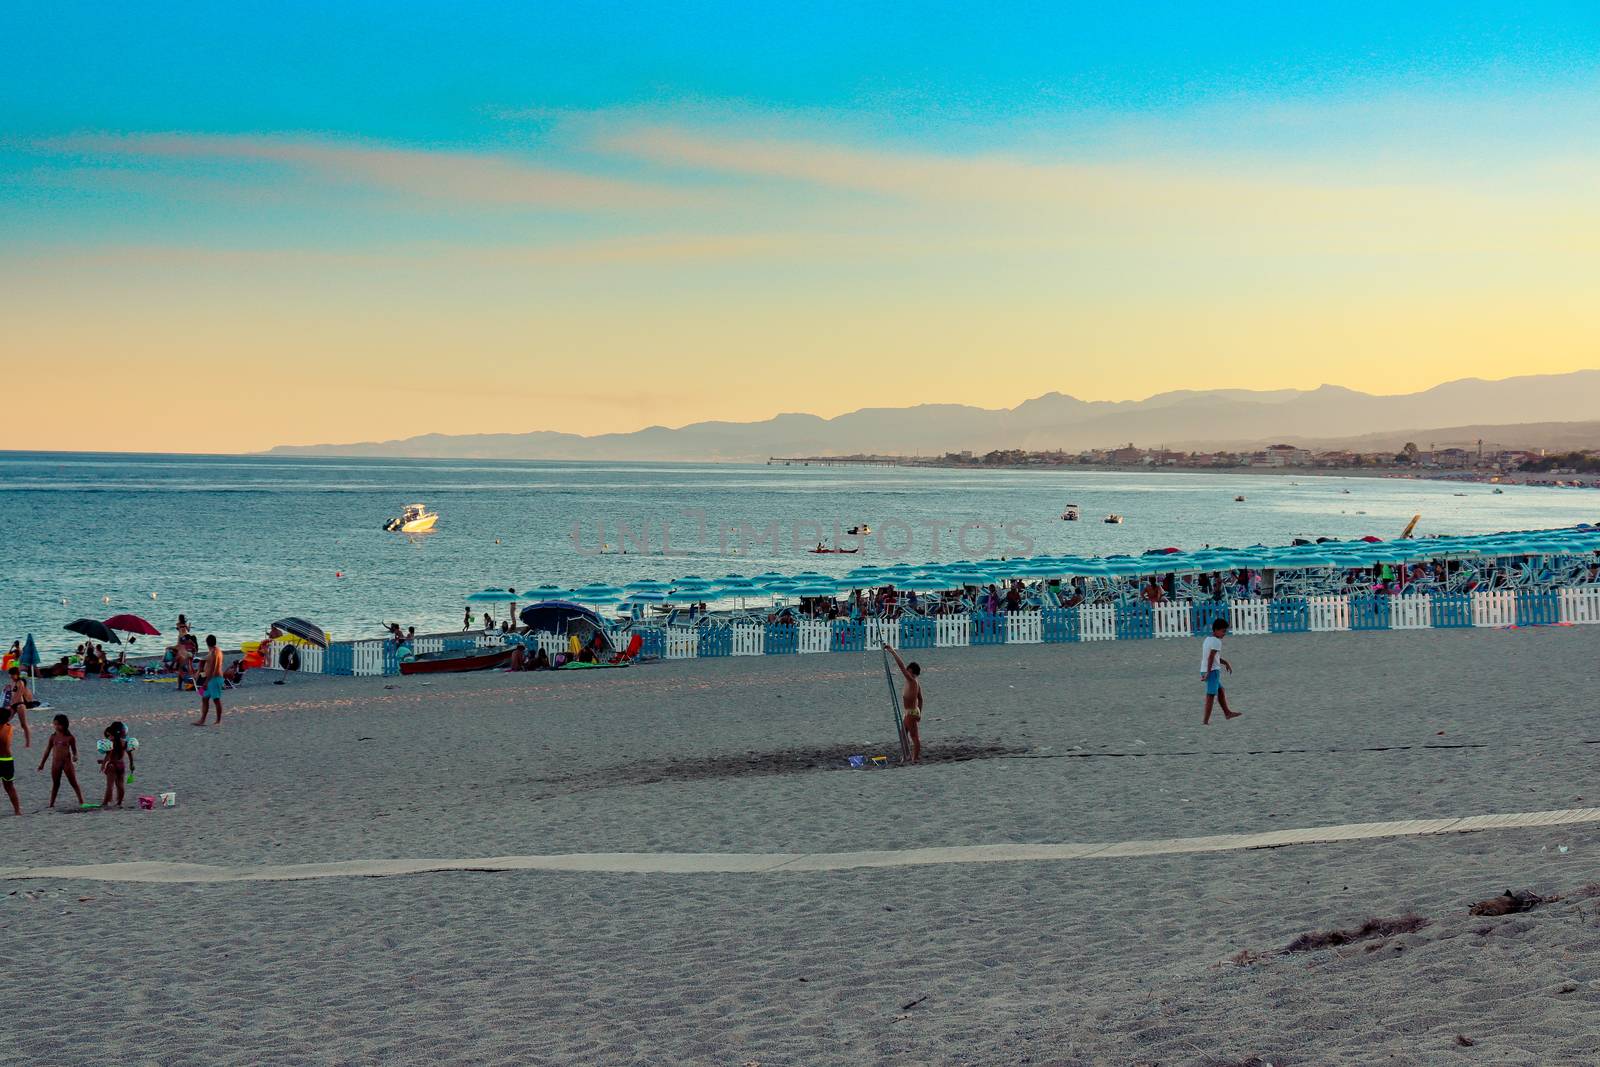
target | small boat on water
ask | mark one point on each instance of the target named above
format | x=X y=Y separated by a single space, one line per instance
x=1238 y=500
x=414 y=518
x=1070 y=514
x=456 y=661
x=824 y=550
x=1114 y=519
x=1498 y=491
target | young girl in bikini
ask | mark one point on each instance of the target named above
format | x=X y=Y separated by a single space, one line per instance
x=62 y=751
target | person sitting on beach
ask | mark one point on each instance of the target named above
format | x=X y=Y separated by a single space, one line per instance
x=62 y=751
x=1211 y=667
x=8 y=762
x=910 y=702
x=1152 y=591
x=488 y=622
x=587 y=655
x=541 y=660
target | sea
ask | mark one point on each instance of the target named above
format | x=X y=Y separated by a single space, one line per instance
x=234 y=542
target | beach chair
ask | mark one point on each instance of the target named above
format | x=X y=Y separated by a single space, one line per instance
x=630 y=653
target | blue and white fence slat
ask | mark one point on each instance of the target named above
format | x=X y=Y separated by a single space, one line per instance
x=848 y=636
x=1207 y=612
x=780 y=639
x=1411 y=612
x=1327 y=613
x=683 y=642
x=950 y=631
x=1494 y=609
x=1059 y=625
x=1288 y=616
x=1172 y=619
x=1024 y=628
x=749 y=638
x=812 y=637
x=1581 y=606
x=1538 y=608
x=1097 y=623
x=1248 y=617
x=1369 y=613
x=1451 y=611
x=882 y=632
x=917 y=632
x=715 y=640
x=987 y=629
x=1134 y=621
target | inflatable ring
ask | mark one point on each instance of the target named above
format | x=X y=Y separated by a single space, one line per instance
x=289 y=658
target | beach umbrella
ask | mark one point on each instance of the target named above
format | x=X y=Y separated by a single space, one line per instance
x=644 y=596
x=94 y=630
x=308 y=632
x=491 y=596
x=649 y=585
x=28 y=658
x=545 y=591
x=132 y=624
x=595 y=593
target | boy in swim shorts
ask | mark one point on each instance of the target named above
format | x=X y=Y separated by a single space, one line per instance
x=1211 y=667
x=211 y=681
x=8 y=763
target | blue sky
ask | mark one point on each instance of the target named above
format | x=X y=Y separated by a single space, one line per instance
x=1057 y=177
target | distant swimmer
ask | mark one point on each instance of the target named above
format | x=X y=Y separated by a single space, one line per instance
x=910 y=702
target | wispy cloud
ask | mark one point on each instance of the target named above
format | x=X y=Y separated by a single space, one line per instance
x=458 y=177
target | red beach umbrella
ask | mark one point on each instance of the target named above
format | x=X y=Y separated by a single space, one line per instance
x=132 y=624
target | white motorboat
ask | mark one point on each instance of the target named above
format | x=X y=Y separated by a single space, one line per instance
x=415 y=518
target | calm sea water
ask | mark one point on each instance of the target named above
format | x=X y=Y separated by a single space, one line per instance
x=236 y=542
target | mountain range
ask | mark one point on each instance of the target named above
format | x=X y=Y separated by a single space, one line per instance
x=1189 y=420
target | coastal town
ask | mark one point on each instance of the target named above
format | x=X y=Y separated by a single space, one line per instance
x=1520 y=466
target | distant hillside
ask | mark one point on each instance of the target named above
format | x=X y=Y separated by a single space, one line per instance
x=1189 y=419
x=1552 y=436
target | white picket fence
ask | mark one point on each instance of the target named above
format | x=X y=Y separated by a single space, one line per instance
x=813 y=637
x=1248 y=617
x=1172 y=619
x=749 y=639
x=1328 y=612
x=1494 y=609
x=1025 y=628
x=1581 y=606
x=952 y=630
x=882 y=632
x=683 y=642
x=310 y=656
x=1097 y=623
x=1411 y=613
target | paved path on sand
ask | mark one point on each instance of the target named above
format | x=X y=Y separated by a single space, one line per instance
x=770 y=862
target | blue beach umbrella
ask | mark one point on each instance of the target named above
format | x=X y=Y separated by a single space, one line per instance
x=597 y=594
x=491 y=596
x=649 y=585
x=28 y=658
x=541 y=592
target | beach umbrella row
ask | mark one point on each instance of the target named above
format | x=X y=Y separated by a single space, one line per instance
x=933 y=575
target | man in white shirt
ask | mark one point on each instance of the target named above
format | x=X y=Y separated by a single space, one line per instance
x=1211 y=667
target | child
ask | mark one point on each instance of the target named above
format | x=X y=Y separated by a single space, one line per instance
x=117 y=763
x=62 y=751
x=1211 y=667
x=910 y=703
x=8 y=764
x=20 y=699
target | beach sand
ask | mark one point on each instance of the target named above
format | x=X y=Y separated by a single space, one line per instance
x=1101 y=960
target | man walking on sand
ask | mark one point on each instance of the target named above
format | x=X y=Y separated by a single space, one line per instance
x=1211 y=667
x=210 y=683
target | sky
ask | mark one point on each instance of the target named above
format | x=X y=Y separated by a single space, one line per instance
x=226 y=226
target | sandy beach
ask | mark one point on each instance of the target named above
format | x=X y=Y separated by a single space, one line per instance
x=1114 y=960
